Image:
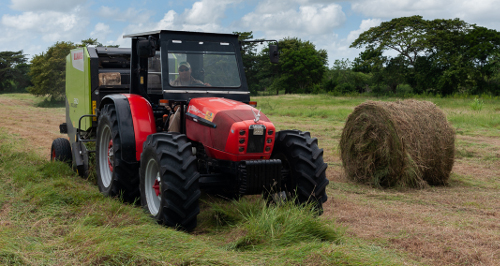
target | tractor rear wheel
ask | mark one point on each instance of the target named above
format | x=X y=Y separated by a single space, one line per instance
x=303 y=169
x=61 y=151
x=115 y=177
x=169 y=180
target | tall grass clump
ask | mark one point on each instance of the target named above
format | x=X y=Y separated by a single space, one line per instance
x=477 y=105
x=262 y=224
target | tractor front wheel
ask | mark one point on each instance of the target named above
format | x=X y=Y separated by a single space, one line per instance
x=115 y=177
x=169 y=180
x=303 y=169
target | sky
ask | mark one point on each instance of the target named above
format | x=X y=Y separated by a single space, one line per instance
x=34 y=25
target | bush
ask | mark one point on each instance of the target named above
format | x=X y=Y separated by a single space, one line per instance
x=404 y=90
x=477 y=105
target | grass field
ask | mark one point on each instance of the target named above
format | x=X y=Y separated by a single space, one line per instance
x=49 y=216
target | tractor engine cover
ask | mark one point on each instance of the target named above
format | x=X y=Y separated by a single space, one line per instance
x=229 y=130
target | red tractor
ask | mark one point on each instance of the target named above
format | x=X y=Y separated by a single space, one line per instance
x=172 y=116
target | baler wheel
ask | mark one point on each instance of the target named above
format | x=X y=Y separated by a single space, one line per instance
x=303 y=167
x=115 y=177
x=61 y=151
x=169 y=180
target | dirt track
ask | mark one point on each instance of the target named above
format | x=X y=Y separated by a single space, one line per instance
x=37 y=126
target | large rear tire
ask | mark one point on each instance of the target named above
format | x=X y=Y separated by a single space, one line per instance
x=61 y=151
x=169 y=180
x=303 y=168
x=115 y=177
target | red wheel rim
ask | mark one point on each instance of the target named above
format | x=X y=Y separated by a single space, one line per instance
x=110 y=155
x=53 y=155
x=156 y=187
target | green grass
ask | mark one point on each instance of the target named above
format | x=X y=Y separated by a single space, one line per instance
x=50 y=216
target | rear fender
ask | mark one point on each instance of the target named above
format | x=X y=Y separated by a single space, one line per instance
x=135 y=122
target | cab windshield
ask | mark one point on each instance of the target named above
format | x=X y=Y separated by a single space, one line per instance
x=204 y=64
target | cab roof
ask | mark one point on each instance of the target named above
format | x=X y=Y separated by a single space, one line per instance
x=174 y=32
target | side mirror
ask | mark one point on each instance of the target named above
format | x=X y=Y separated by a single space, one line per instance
x=146 y=48
x=273 y=54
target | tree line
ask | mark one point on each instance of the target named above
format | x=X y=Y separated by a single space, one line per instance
x=440 y=57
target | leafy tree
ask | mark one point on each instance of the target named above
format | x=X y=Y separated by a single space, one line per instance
x=13 y=71
x=48 y=71
x=90 y=42
x=394 y=74
x=22 y=79
x=301 y=65
x=370 y=60
x=405 y=35
x=342 y=79
x=482 y=55
x=463 y=53
x=441 y=55
x=424 y=76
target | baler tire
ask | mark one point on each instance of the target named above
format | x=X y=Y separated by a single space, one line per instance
x=303 y=168
x=61 y=151
x=169 y=166
x=115 y=177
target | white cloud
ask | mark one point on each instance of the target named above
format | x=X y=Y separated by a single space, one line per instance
x=366 y=24
x=305 y=21
x=101 y=31
x=45 y=5
x=34 y=31
x=168 y=21
x=203 y=16
x=131 y=15
x=339 y=48
x=50 y=25
x=484 y=12
x=398 y=8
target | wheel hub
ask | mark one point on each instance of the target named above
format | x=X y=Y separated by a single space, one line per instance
x=111 y=155
x=156 y=186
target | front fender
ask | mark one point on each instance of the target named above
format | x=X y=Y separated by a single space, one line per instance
x=143 y=119
x=135 y=122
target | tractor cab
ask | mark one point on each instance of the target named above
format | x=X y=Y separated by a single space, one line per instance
x=159 y=60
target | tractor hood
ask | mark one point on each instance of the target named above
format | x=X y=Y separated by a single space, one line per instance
x=229 y=130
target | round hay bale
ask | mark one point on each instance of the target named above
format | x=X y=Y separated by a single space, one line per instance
x=398 y=144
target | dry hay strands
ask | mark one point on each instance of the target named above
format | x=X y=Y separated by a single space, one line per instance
x=398 y=144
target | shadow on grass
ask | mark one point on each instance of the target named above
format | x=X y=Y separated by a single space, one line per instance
x=51 y=103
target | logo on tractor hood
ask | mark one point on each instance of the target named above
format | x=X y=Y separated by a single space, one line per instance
x=256 y=115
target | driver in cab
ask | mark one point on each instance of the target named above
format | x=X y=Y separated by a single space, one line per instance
x=185 y=78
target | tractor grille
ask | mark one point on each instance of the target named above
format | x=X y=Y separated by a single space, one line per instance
x=256 y=140
x=259 y=176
